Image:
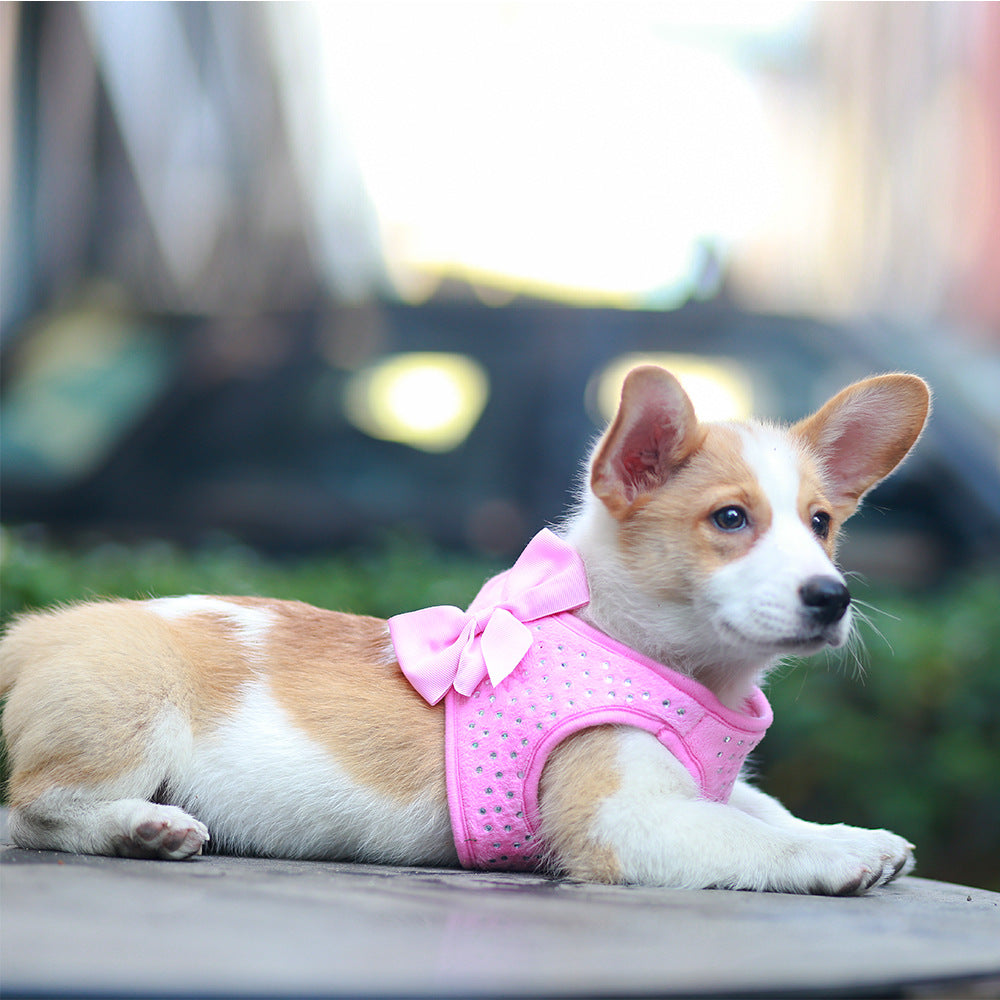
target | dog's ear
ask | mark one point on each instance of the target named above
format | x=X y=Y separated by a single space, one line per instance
x=864 y=432
x=654 y=430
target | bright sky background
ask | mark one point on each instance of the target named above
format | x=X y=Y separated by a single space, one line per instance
x=591 y=149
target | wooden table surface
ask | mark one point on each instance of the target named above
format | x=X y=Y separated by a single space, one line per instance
x=75 y=926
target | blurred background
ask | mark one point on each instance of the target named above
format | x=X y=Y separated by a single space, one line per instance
x=331 y=298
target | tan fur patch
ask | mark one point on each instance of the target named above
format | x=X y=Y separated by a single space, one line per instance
x=332 y=674
x=812 y=499
x=670 y=540
x=579 y=775
x=99 y=675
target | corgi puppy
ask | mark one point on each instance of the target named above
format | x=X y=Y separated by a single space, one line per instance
x=587 y=716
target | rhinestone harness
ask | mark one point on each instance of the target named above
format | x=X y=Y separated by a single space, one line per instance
x=519 y=673
x=573 y=678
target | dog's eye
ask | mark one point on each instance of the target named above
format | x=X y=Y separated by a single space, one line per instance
x=821 y=524
x=730 y=518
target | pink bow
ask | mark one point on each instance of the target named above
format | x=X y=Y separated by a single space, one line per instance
x=444 y=647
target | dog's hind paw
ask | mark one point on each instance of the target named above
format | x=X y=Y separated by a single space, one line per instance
x=163 y=832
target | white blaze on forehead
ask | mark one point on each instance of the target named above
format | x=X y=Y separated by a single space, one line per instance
x=251 y=624
x=776 y=465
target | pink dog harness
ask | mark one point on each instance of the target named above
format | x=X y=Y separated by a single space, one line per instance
x=520 y=673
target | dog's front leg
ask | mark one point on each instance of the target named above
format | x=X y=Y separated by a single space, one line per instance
x=620 y=808
x=764 y=807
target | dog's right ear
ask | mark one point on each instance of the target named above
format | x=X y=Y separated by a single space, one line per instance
x=654 y=430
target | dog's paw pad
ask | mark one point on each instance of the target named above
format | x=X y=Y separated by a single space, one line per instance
x=164 y=832
x=860 y=882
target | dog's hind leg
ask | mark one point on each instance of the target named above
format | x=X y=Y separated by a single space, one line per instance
x=117 y=815
x=98 y=727
x=66 y=819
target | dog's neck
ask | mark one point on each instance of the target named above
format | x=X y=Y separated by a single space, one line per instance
x=669 y=633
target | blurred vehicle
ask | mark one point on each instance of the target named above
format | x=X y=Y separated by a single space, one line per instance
x=455 y=420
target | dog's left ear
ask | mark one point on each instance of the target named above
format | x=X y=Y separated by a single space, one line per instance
x=654 y=430
x=864 y=432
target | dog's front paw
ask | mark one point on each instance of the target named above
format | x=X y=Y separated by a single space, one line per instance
x=162 y=832
x=850 y=861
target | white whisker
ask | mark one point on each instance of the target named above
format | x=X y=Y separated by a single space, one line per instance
x=864 y=617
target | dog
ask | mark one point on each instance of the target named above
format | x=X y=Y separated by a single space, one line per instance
x=588 y=716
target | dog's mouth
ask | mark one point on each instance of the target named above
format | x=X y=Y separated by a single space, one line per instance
x=803 y=643
x=810 y=643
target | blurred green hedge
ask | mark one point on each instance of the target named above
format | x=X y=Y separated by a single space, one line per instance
x=910 y=740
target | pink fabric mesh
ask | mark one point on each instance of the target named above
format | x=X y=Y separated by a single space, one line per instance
x=574 y=677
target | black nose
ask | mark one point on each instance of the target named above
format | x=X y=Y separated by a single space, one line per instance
x=826 y=598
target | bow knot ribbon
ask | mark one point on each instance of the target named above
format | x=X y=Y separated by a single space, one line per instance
x=444 y=647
